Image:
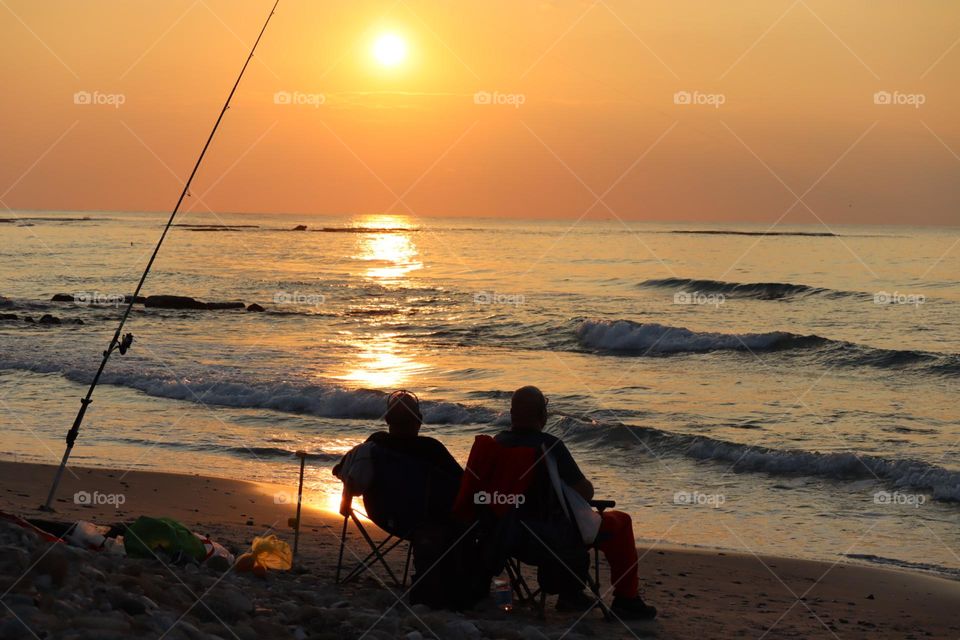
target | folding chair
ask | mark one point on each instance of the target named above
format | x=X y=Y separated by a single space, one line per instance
x=397 y=502
x=495 y=468
x=536 y=598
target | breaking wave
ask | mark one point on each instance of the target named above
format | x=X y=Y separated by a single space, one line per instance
x=757 y=290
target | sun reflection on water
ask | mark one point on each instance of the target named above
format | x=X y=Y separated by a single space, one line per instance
x=381 y=363
x=389 y=246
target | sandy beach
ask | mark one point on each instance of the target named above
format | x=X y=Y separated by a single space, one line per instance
x=699 y=593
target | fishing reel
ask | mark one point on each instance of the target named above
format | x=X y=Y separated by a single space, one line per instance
x=123 y=345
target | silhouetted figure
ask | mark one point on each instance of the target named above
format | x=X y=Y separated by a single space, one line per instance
x=404 y=418
x=528 y=414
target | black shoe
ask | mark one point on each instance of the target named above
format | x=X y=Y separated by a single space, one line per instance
x=633 y=608
x=575 y=601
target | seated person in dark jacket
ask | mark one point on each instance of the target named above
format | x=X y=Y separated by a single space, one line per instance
x=404 y=418
x=528 y=413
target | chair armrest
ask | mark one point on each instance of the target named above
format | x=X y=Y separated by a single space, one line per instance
x=600 y=505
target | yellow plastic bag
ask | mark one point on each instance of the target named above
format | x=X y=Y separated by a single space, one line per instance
x=268 y=552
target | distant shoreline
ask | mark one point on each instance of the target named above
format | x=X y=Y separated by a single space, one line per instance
x=294 y=216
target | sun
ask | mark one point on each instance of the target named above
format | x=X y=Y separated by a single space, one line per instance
x=389 y=49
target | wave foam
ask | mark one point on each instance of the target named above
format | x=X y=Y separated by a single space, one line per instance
x=322 y=400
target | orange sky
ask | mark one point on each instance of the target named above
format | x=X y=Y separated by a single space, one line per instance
x=798 y=134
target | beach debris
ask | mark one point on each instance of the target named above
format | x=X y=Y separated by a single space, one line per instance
x=87 y=535
x=218 y=557
x=147 y=537
x=266 y=552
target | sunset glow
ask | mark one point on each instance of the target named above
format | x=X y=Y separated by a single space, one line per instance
x=710 y=112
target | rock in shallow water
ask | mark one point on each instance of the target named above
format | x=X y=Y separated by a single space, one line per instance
x=186 y=302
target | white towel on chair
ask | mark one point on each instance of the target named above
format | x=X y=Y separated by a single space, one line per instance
x=575 y=506
x=356 y=472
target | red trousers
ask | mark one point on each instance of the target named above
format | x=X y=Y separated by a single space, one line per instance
x=616 y=542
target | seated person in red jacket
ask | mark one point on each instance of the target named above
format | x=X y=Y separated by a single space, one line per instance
x=528 y=413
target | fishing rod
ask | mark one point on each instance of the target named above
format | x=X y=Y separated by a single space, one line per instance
x=121 y=344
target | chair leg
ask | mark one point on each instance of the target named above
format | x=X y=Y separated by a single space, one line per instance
x=406 y=566
x=343 y=542
x=595 y=585
x=377 y=553
x=517 y=582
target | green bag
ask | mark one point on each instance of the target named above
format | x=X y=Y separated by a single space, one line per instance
x=146 y=536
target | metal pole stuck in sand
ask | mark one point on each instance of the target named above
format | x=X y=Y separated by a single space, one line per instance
x=296 y=526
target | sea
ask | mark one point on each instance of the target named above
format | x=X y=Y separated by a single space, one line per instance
x=787 y=390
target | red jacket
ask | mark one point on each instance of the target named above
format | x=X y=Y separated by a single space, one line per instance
x=493 y=469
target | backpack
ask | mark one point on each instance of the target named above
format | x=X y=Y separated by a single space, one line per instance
x=449 y=571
